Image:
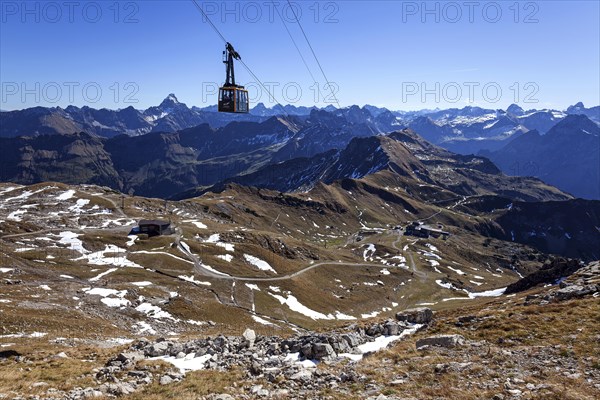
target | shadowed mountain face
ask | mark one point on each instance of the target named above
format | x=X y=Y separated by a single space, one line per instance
x=403 y=160
x=568 y=156
x=570 y=228
x=156 y=164
x=162 y=164
x=77 y=158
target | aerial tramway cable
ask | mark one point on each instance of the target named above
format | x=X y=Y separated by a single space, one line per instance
x=296 y=46
x=271 y=96
x=209 y=21
x=314 y=54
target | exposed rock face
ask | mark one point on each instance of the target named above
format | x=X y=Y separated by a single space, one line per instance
x=548 y=274
x=272 y=357
x=421 y=315
x=447 y=341
x=585 y=282
x=157 y=349
x=322 y=351
x=571 y=291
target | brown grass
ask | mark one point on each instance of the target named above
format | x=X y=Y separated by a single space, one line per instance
x=40 y=364
x=197 y=383
x=559 y=330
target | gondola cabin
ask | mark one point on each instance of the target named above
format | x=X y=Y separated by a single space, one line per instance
x=233 y=100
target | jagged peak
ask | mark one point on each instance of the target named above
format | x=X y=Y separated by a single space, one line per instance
x=515 y=109
x=170 y=101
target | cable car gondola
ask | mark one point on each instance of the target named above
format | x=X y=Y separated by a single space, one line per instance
x=232 y=98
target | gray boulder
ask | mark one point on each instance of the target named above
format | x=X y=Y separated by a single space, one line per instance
x=117 y=389
x=421 y=315
x=222 y=397
x=321 y=351
x=249 y=338
x=304 y=375
x=391 y=328
x=130 y=357
x=352 y=339
x=375 y=330
x=571 y=291
x=339 y=345
x=307 y=351
x=447 y=341
x=157 y=349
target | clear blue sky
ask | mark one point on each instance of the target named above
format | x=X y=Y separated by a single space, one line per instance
x=377 y=52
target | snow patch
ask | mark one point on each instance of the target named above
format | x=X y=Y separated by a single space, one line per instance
x=192 y=280
x=261 y=320
x=369 y=252
x=131 y=241
x=188 y=363
x=154 y=312
x=294 y=305
x=226 y=257
x=145 y=327
x=458 y=271
x=96 y=278
x=380 y=342
x=344 y=317
x=433 y=263
x=258 y=263
x=78 y=207
x=197 y=224
x=142 y=284
x=66 y=195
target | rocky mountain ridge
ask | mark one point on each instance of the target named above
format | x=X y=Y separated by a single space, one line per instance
x=466 y=130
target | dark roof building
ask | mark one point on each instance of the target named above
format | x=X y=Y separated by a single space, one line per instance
x=424 y=231
x=155 y=227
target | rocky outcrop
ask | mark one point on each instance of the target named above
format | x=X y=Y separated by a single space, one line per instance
x=447 y=341
x=549 y=274
x=585 y=282
x=421 y=315
x=262 y=357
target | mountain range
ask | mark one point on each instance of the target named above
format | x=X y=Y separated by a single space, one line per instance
x=466 y=130
x=293 y=226
x=171 y=149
